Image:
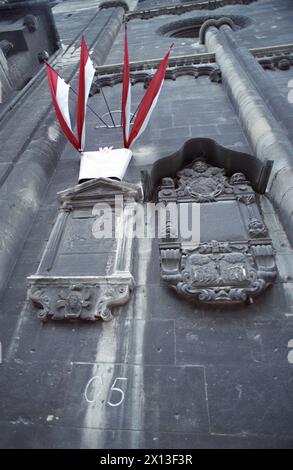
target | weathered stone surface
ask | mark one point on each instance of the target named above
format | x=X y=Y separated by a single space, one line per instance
x=224 y=264
x=196 y=377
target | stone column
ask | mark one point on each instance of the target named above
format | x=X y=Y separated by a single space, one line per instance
x=268 y=138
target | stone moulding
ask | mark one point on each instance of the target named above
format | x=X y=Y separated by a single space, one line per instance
x=65 y=286
x=239 y=265
x=180 y=9
x=260 y=53
x=196 y=65
x=172 y=73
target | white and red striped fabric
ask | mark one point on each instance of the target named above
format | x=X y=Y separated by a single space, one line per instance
x=60 y=96
x=149 y=101
x=126 y=93
x=86 y=75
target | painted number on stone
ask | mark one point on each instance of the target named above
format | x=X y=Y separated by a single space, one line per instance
x=92 y=381
x=114 y=391
x=116 y=397
x=290 y=354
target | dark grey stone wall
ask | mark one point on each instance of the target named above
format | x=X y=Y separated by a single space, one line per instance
x=196 y=377
x=269 y=24
x=187 y=108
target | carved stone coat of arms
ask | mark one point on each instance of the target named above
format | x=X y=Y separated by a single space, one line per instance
x=233 y=260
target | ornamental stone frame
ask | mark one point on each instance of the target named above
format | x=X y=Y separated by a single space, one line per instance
x=80 y=276
x=234 y=259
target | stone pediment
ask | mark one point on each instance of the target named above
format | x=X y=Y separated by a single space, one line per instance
x=100 y=188
x=257 y=172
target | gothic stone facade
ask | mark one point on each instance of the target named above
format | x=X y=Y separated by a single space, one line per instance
x=198 y=352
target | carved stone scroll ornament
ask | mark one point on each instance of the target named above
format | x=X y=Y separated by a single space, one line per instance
x=81 y=301
x=229 y=272
x=237 y=267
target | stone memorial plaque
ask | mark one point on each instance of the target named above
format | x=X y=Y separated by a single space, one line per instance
x=233 y=260
x=84 y=273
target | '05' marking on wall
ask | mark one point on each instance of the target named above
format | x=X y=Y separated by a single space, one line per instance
x=116 y=396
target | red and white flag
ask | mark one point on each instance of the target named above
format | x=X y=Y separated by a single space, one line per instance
x=60 y=96
x=86 y=75
x=126 y=93
x=149 y=101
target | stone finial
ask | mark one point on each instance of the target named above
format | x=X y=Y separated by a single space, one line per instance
x=43 y=56
x=6 y=46
x=31 y=22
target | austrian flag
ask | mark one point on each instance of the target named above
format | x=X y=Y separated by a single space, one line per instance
x=60 y=96
x=149 y=101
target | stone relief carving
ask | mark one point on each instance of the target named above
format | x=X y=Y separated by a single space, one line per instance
x=232 y=273
x=201 y=182
x=217 y=271
x=81 y=301
x=74 y=301
x=257 y=228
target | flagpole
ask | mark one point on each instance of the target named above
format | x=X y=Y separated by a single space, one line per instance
x=109 y=111
x=133 y=116
x=90 y=108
